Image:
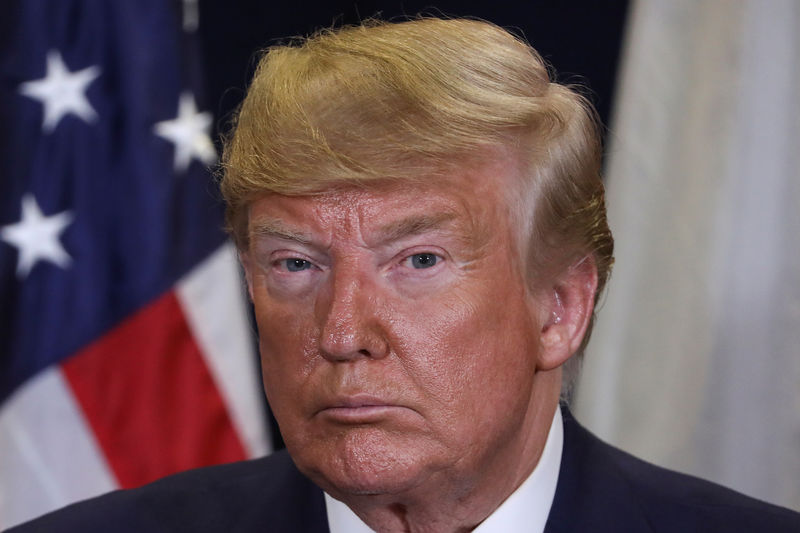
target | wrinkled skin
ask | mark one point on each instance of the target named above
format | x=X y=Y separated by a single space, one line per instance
x=402 y=352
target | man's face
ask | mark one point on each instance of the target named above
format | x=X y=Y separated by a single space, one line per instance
x=398 y=341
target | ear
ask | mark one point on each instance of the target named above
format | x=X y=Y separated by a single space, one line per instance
x=568 y=304
x=244 y=259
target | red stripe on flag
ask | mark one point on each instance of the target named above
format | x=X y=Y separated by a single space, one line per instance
x=149 y=398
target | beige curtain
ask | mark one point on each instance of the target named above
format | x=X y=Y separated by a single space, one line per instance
x=695 y=363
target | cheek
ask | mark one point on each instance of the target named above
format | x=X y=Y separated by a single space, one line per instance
x=471 y=352
x=286 y=345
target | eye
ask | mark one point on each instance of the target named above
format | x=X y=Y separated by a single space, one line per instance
x=296 y=265
x=424 y=260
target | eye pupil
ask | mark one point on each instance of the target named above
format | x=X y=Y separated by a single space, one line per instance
x=423 y=260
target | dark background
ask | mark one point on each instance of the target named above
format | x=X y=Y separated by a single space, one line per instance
x=580 y=39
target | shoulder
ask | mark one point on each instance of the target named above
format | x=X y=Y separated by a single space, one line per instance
x=612 y=491
x=692 y=504
x=245 y=496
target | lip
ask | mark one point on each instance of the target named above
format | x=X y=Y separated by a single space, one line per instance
x=359 y=409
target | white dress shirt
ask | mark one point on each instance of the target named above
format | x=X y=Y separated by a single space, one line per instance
x=525 y=510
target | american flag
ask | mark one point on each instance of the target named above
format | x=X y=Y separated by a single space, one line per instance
x=125 y=352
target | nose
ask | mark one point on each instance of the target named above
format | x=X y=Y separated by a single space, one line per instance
x=349 y=313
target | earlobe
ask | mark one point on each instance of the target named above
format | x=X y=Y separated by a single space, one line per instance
x=569 y=305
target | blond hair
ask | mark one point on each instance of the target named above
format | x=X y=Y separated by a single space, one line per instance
x=406 y=101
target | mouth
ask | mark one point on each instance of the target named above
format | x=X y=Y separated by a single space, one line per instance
x=359 y=410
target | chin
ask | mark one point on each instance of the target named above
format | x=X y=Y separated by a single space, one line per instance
x=363 y=462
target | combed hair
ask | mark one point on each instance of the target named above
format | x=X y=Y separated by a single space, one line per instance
x=410 y=101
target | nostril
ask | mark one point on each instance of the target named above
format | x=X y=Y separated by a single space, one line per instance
x=364 y=352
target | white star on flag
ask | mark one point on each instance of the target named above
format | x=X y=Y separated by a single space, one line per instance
x=62 y=92
x=189 y=132
x=37 y=236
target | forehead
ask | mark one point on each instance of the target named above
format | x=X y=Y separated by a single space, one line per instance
x=469 y=196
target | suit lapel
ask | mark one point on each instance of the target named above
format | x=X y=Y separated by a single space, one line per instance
x=591 y=495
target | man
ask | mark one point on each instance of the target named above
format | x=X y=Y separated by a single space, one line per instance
x=420 y=218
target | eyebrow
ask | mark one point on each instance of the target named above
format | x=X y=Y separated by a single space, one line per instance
x=393 y=231
x=414 y=225
x=270 y=227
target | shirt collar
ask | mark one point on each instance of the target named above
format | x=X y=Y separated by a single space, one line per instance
x=526 y=509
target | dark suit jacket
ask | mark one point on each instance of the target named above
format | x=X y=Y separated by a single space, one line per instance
x=600 y=489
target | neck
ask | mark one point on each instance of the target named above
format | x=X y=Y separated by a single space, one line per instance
x=452 y=502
